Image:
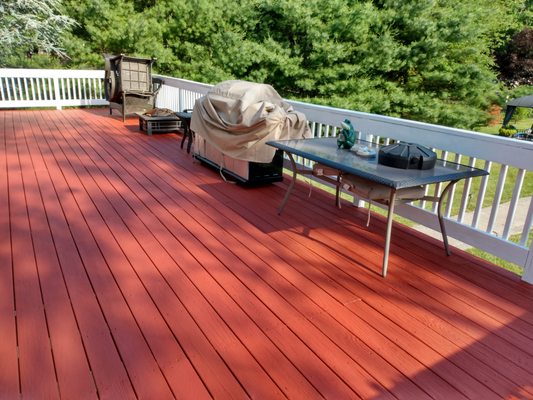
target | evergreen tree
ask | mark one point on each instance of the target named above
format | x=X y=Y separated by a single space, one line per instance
x=30 y=26
x=429 y=60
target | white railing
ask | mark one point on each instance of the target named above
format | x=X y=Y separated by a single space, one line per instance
x=180 y=94
x=51 y=88
x=509 y=159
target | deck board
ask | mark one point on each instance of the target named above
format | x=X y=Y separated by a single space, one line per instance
x=78 y=256
x=197 y=248
x=222 y=337
x=168 y=354
x=424 y=287
x=71 y=365
x=127 y=270
x=232 y=261
x=37 y=374
x=9 y=377
x=367 y=314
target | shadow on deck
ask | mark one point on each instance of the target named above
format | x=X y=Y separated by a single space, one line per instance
x=129 y=271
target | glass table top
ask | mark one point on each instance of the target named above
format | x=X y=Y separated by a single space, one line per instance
x=326 y=152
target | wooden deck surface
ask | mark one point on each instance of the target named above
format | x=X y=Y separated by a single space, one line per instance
x=127 y=270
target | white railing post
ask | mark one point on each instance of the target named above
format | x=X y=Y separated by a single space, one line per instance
x=527 y=276
x=181 y=100
x=57 y=93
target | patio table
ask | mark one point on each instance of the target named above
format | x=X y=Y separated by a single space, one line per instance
x=367 y=169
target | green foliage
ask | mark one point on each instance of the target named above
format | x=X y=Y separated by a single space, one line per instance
x=507 y=130
x=107 y=27
x=519 y=91
x=29 y=27
x=515 y=60
x=514 y=268
x=521 y=113
x=429 y=60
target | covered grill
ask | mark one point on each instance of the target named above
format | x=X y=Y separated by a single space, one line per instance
x=232 y=123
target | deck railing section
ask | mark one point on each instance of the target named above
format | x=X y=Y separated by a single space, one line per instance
x=180 y=94
x=474 y=209
x=51 y=88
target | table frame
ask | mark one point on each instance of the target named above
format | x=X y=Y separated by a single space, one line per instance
x=390 y=202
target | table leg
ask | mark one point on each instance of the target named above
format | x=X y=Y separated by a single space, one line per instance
x=338 y=191
x=184 y=134
x=291 y=185
x=392 y=200
x=441 y=218
x=190 y=134
x=187 y=135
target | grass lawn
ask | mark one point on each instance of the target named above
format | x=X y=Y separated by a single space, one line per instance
x=520 y=126
x=527 y=187
x=498 y=261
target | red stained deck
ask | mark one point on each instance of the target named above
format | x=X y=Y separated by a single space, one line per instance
x=129 y=271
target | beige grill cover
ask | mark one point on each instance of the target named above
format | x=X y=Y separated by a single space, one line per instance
x=238 y=117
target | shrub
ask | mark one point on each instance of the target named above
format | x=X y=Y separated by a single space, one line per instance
x=516 y=59
x=507 y=130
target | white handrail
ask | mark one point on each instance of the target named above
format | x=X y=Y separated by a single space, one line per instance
x=51 y=88
x=504 y=156
x=180 y=94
